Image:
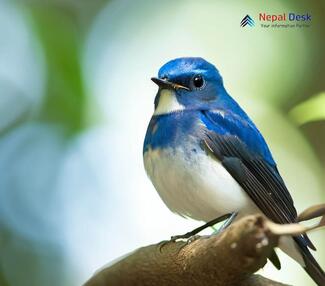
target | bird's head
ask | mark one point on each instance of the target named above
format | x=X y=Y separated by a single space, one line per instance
x=187 y=83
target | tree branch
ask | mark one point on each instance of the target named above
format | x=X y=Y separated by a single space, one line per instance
x=229 y=258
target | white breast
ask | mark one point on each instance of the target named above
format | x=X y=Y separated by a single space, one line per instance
x=195 y=185
x=198 y=186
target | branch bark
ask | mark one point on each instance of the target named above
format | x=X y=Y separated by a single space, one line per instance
x=229 y=258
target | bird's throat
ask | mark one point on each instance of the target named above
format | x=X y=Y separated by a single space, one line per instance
x=167 y=102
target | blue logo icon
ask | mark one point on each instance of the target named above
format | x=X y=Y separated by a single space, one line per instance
x=247 y=20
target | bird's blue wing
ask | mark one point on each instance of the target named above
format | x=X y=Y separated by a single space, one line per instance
x=237 y=143
x=226 y=122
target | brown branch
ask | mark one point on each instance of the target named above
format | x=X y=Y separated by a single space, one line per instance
x=229 y=258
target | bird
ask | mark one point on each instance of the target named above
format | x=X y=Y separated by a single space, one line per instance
x=207 y=159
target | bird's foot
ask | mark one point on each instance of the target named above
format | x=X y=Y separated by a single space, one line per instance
x=193 y=238
x=195 y=231
x=188 y=239
x=185 y=236
x=162 y=244
x=174 y=238
x=192 y=235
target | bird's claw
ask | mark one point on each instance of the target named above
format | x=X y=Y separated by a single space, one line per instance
x=174 y=238
x=162 y=244
x=192 y=238
x=188 y=239
x=192 y=235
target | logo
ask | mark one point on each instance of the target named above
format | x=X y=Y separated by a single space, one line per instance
x=280 y=20
x=247 y=20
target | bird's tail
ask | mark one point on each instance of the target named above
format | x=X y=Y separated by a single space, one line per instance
x=311 y=265
x=313 y=268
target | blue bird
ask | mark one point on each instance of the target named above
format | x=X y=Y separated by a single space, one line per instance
x=206 y=158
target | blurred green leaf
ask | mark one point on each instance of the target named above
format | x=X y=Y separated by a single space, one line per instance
x=65 y=97
x=310 y=110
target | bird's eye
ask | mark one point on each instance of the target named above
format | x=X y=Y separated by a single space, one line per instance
x=198 y=81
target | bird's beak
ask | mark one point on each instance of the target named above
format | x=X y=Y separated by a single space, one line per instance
x=167 y=84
